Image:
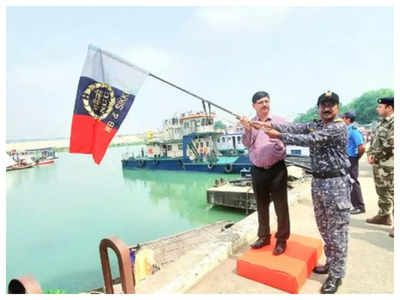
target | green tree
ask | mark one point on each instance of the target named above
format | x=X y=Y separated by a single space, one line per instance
x=364 y=107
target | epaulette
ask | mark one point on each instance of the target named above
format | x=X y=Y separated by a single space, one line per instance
x=338 y=120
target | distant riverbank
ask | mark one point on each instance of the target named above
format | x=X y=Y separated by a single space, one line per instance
x=63 y=144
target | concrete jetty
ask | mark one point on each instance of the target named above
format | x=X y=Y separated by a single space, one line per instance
x=211 y=268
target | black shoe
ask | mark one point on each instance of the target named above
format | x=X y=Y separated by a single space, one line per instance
x=356 y=211
x=331 y=285
x=280 y=247
x=261 y=242
x=321 y=269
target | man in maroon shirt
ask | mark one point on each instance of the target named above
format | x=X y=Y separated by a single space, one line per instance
x=268 y=172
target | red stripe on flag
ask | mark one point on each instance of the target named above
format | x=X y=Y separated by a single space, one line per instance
x=81 y=140
x=90 y=136
x=103 y=136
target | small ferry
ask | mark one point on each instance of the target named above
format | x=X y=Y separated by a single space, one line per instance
x=22 y=163
x=43 y=156
x=38 y=157
x=187 y=142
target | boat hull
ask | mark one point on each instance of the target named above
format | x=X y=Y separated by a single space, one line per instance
x=181 y=165
x=14 y=168
x=45 y=162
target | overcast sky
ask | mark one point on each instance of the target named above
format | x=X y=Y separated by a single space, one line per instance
x=223 y=54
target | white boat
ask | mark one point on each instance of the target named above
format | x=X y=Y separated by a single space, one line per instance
x=22 y=163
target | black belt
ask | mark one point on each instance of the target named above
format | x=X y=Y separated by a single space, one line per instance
x=329 y=174
x=279 y=163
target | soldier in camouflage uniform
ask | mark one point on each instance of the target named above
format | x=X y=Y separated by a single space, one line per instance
x=381 y=156
x=331 y=184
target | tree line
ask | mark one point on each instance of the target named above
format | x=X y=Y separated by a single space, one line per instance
x=364 y=107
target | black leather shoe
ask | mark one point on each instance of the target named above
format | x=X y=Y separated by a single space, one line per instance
x=356 y=211
x=321 y=269
x=261 y=242
x=331 y=285
x=280 y=247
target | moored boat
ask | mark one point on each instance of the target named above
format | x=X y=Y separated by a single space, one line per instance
x=191 y=143
x=40 y=156
x=187 y=143
x=22 y=163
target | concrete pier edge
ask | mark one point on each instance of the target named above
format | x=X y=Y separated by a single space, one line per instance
x=224 y=245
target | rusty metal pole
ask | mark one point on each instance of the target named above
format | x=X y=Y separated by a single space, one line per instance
x=124 y=263
x=26 y=284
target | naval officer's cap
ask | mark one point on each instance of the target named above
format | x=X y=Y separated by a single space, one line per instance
x=328 y=97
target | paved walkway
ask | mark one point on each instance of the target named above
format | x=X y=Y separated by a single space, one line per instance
x=370 y=256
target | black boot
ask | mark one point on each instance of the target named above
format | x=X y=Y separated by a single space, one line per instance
x=321 y=269
x=261 y=242
x=280 y=247
x=331 y=285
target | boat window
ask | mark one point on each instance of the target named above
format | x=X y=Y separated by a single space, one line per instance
x=218 y=140
x=229 y=139
x=180 y=146
x=295 y=152
x=169 y=147
x=223 y=140
x=207 y=144
x=197 y=145
x=238 y=139
x=201 y=144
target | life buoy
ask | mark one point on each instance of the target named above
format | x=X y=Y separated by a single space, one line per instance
x=141 y=163
x=228 y=168
x=210 y=166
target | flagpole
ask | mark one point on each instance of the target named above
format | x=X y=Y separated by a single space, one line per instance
x=113 y=56
x=194 y=95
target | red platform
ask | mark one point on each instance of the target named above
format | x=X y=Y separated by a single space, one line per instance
x=287 y=271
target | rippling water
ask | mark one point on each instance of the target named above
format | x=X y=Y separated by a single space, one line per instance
x=57 y=215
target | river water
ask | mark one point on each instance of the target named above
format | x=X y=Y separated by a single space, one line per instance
x=58 y=214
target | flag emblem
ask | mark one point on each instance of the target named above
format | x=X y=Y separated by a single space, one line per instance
x=98 y=99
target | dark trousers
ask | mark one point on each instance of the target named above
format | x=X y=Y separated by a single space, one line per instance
x=271 y=185
x=356 y=195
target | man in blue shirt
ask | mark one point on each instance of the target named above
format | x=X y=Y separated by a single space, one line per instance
x=355 y=149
